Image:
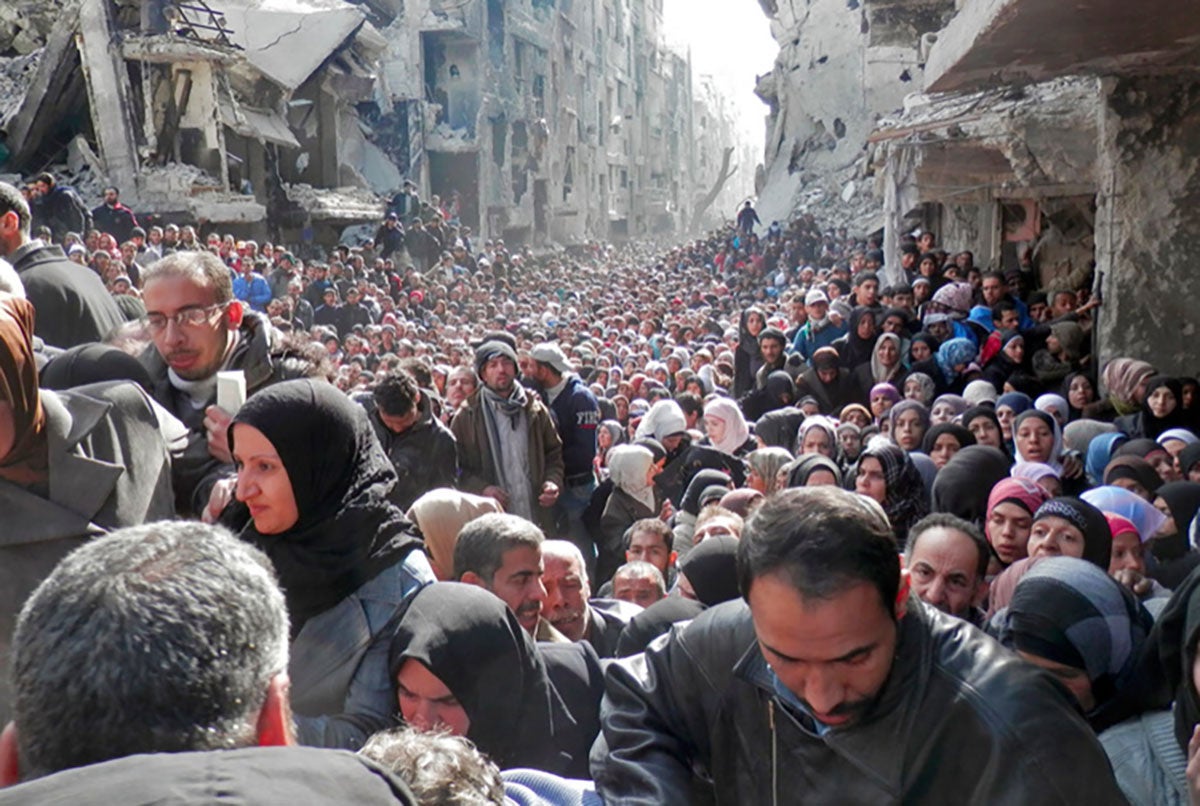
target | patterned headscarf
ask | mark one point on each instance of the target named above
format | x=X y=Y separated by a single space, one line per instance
x=1097 y=539
x=906 y=501
x=953 y=353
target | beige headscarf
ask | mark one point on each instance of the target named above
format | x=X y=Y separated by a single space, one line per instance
x=440 y=515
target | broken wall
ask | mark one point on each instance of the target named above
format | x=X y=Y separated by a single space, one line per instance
x=1148 y=221
x=842 y=63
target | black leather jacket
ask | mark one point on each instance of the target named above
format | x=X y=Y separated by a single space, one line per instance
x=959 y=720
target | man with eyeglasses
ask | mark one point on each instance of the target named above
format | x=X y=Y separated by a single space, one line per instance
x=198 y=328
x=73 y=307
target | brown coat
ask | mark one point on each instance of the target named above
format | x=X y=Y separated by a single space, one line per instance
x=475 y=452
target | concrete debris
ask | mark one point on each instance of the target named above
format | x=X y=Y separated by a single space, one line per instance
x=16 y=74
x=342 y=204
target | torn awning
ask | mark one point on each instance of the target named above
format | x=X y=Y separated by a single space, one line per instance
x=266 y=125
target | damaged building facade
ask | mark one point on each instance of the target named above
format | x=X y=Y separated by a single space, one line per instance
x=546 y=121
x=1073 y=156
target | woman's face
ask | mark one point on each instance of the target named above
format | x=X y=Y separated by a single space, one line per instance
x=880 y=406
x=1161 y=402
x=756 y=482
x=941 y=413
x=1035 y=440
x=1015 y=350
x=857 y=417
x=866 y=327
x=1074 y=679
x=920 y=351
x=909 y=430
x=1008 y=527
x=889 y=354
x=1133 y=486
x=754 y=324
x=1080 y=392
x=944 y=448
x=1006 y=416
x=985 y=432
x=816 y=441
x=714 y=427
x=622 y=408
x=1127 y=553
x=262 y=481
x=851 y=443
x=1189 y=395
x=604 y=439
x=871 y=481
x=426 y=703
x=1168 y=527
x=1054 y=537
x=1164 y=465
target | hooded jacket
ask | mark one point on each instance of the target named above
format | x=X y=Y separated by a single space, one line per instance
x=958 y=720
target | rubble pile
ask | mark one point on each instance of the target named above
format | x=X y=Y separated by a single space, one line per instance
x=25 y=24
x=16 y=74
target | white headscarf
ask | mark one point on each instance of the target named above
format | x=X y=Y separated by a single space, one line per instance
x=736 y=430
x=628 y=467
x=662 y=420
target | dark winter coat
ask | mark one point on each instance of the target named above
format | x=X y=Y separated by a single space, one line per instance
x=425 y=456
x=73 y=306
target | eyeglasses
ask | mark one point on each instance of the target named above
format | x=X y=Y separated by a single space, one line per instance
x=188 y=317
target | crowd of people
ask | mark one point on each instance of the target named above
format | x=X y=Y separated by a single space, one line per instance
x=809 y=520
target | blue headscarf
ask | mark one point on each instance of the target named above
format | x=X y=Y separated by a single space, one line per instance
x=1099 y=453
x=955 y=352
x=1019 y=402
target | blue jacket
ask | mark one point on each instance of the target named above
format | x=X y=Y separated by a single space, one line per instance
x=256 y=291
x=576 y=415
x=806 y=343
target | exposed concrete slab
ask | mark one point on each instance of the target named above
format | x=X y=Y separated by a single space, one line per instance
x=288 y=39
x=994 y=42
x=109 y=93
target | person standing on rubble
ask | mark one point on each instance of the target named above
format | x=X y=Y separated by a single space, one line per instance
x=59 y=208
x=113 y=217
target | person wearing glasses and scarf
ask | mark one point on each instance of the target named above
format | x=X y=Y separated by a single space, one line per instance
x=198 y=328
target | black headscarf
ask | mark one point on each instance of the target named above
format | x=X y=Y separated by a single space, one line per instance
x=474 y=644
x=975 y=412
x=777 y=429
x=1097 y=537
x=711 y=568
x=704 y=478
x=1135 y=468
x=962 y=487
x=1183 y=500
x=1178 y=418
x=856 y=350
x=1173 y=654
x=348 y=532
x=1189 y=457
x=965 y=438
x=809 y=463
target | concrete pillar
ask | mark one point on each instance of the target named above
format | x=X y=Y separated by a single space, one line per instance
x=1148 y=221
x=109 y=95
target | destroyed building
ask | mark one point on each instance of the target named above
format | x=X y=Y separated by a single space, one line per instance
x=546 y=120
x=1077 y=156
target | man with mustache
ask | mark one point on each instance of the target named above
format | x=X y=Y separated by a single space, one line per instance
x=198 y=328
x=503 y=555
x=832 y=683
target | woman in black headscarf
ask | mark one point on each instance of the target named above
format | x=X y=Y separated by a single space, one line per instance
x=777 y=429
x=887 y=474
x=316 y=482
x=984 y=425
x=855 y=348
x=1162 y=409
x=1174 y=559
x=93 y=363
x=944 y=440
x=461 y=661
x=709 y=573
x=962 y=487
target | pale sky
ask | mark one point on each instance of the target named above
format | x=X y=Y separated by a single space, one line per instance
x=731 y=40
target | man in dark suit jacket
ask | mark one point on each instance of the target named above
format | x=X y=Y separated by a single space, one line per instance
x=73 y=306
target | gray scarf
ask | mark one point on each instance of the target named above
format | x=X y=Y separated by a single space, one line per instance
x=508 y=438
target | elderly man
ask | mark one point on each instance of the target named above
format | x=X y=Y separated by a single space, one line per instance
x=832 y=683
x=508 y=445
x=183 y=632
x=947 y=559
x=503 y=555
x=638 y=583
x=568 y=604
x=198 y=328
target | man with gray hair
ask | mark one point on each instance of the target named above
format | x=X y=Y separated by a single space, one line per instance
x=503 y=555
x=169 y=638
x=568 y=604
x=639 y=583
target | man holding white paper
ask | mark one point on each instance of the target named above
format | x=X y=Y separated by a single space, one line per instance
x=202 y=339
